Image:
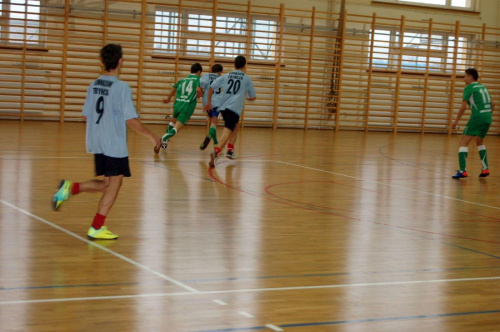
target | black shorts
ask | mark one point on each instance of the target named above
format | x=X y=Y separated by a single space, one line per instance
x=231 y=119
x=109 y=166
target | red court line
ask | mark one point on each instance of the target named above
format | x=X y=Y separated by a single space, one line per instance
x=436 y=233
x=495 y=220
x=345 y=183
x=212 y=175
x=268 y=191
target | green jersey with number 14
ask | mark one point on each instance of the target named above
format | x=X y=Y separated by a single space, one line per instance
x=186 y=89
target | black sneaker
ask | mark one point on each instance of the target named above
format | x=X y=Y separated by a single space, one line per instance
x=204 y=145
x=231 y=155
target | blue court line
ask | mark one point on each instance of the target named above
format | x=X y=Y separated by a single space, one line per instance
x=368 y=320
x=472 y=250
x=454 y=314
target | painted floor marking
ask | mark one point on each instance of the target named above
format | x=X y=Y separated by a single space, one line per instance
x=388 y=185
x=254 y=290
x=246 y=314
x=109 y=251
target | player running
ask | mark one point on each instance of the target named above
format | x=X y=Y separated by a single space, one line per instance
x=185 y=91
x=236 y=86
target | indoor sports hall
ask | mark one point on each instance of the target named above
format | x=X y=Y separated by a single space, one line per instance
x=339 y=212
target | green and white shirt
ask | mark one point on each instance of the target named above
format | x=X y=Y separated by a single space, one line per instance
x=479 y=101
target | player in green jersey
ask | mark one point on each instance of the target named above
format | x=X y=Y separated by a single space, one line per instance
x=479 y=100
x=185 y=91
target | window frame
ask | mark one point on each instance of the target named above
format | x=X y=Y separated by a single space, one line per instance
x=254 y=37
x=441 y=51
x=171 y=48
x=239 y=43
x=225 y=39
x=472 y=8
x=7 y=31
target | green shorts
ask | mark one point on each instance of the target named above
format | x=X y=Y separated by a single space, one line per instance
x=183 y=111
x=477 y=127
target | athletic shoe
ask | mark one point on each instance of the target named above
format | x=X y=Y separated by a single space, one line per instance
x=213 y=158
x=231 y=155
x=157 y=149
x=164 y=141
x=204 y=145
x=61 y=194
x=460 y=175
x=103 y=234
x=484 y=173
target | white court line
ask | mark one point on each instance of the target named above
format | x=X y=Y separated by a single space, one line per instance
x=251 y=290
x=246 y=314
x=90 y=157
x=96 y=298
x=273 y=327
x=29 y=157
x=194 y=291
x=114 y=253
x=388 y=185
x=220 y=302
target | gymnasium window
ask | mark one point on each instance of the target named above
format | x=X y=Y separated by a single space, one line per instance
x=231 y=35
x=448 y=4
x=264 y=39
x=165 y=35
x=22 y=19
x=418 y=51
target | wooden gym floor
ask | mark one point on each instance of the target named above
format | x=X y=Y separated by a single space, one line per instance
x=306 y=231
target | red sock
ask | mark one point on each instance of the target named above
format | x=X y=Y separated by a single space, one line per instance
x=230 y=147
x=99 y=220
x=217 y=150
x=75 y=189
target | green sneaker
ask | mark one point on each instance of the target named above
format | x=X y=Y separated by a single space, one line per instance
x=103 y=234
x=61 y=194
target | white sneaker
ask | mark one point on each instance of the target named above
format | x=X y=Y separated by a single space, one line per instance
x=164 y=142
x=213 y=158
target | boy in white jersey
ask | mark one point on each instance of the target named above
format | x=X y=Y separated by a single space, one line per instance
x=236 y=87
x=213 y=114
x=108 y=110
x=478 y=98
